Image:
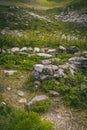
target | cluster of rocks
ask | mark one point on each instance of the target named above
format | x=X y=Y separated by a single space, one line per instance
x=48 y=70
x=45 y=52
x=72 y=16
x=69 y=37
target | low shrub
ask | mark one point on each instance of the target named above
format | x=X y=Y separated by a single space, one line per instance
x=42 y=106
x=11 y=119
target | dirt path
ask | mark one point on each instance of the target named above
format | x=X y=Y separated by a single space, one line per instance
x=65 y=119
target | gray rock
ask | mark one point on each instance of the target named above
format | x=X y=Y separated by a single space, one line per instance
x=36 y=99
x=38 y=67
x=20 y=93
x=72 y=49
x=44 y=55
x=22 y=100
x=30 y=49
x=24 y=49
x=54 y=93
x=52 y=51
x=60 y=73
x=78 y=61
x=46 y=62
x=23 y=53
x=37 y=84
x=8 y=88
x=49 y=69
x=36 y=49
x=61 y=49
x=15 y=49
x=84 y=54
x=10 y=72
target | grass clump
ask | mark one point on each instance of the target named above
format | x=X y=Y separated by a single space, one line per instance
x=11 y=119
x=42 y=106
x=17 y=61
x=72 y=89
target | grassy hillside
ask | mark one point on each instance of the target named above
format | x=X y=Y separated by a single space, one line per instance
x=31 y=24
x=38 y=4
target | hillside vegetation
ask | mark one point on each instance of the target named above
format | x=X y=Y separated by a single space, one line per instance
x=43 y=64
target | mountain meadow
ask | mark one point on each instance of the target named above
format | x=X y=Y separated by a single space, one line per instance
x=43 y=64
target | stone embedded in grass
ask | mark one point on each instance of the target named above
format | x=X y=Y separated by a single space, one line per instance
x=78 y=61
x=61 y=49
x=46 y=62
x=36 y=49
x=10 y=72
x=15 y=49
x=8 y=88
x=20 y=93
x=37 y=84
x=36 y=99
x=72 y=49
x=44 y=55
x=24 y=49
x=22 y=100
x=54 y=93
x=38 y=67
x=52 y=51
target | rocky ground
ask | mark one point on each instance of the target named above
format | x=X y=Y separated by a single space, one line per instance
x=16 y=95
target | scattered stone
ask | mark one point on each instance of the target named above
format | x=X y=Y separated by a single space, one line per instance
x=22 y=100
x=2 y=103
x=44 y=55
x=30 y=49
x=78 y=61
x=38 y=67
x=8 y=88
x=15 y=49
x=55 y=59
x=52 y=51
x=10 y=72
x=60 y=73
x=36 y=99
x=23 y=53
x=36 y=49
x=2 y=51
x=84 y=54
x=61 y=49
x=24 y=49
x=20 y=93
x=46 y=62
x=77 y=53
x=72 y=49
x=54 y=93
x=56 y=99
x=37 y=84
x=73 y=16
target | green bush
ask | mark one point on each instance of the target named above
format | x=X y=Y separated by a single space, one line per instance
x=49 y=84
x=42 y=106
x=34 y=123
x=11 y=119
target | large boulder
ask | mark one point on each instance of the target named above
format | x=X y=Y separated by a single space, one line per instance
x=44 y=71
